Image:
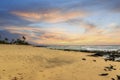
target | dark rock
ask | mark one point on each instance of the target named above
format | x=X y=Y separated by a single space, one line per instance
x=105 y=70
x=103 y=74
x=112 y=79
x=114 y=69
x=118 y=77
x=109 y=68
x=94 y=60
x=83 y=59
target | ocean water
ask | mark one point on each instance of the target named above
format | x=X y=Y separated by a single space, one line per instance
x=88 y=48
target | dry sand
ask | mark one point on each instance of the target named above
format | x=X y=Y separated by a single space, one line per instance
x=34 y=63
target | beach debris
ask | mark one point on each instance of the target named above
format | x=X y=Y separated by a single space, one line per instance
x=106 y=60
x=97 y=54
x=105 y=69
x=112 y=79
x=103 y=74
x=118 y=77
x=84 y=59
x=108 y=55
x=110 y=58
x=117 y=59
x=109 y=68
x=113 y=57
x=94 y=60
x=114 y=69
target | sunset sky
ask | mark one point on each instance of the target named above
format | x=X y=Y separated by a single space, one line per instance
x=63 y=22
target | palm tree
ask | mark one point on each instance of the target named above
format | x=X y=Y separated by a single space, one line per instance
x=24 y=38
x=13 y=41
x=6 y=40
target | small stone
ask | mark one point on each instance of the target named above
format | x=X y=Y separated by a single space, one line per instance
x=83 y=59
x=103 y=74
x=118 y=77
x=94 y=60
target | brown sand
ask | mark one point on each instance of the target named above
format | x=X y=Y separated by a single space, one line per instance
x=33 y=63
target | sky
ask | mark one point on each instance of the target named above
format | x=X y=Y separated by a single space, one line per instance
x=61 y=22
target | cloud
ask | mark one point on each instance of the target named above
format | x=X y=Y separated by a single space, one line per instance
x=113 y=30
x=87 y=26
x=8 y=19
x=113 y=5
x=6 y=34
x=17 y=12
x=51 y=16
x=43 y=35
x=49 y=36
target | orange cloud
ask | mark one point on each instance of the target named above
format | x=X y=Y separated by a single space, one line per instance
x=57 y=36
x=77 y=39
x=28 y=16
x=51 y=16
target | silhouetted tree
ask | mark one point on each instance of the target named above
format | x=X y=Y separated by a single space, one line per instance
x=12 y=41
x=22 y=42
x=24 y=38
x=6 y=41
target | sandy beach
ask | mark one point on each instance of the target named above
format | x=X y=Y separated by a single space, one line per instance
x=18 y=62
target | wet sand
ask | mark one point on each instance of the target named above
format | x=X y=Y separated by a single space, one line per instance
x=34 y=63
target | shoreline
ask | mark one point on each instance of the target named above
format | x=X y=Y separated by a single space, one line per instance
x=108 y=55
x=36 y=63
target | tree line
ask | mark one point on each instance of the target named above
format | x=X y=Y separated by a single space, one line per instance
x=19 y=41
